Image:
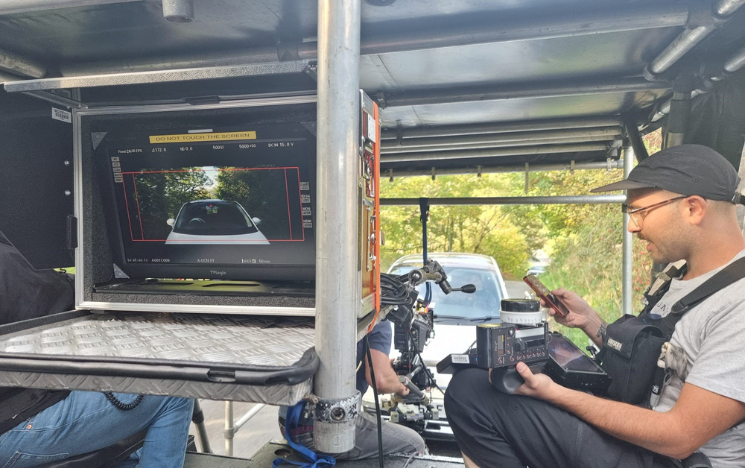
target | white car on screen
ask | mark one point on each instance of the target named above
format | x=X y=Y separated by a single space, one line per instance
x=214 y=222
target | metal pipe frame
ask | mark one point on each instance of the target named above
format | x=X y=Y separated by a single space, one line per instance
x=501 y=127
x=488 y=153
x=686 y=41
x=508 y=92
x=479 y=170
x=229 y=428
x=735 y=62
x=12 y=7
x=502 y=139
x=691 y=37
x=248 y=416
x=616 y=136
x=198 y=420
x=637 y=143
x=338 y=294
x=639 y=18
x=727 y=7
x=558 y=200
x=165 y=76
x=627 y=260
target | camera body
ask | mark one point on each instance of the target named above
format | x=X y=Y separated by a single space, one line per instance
x=504 y=344
x=522 y=336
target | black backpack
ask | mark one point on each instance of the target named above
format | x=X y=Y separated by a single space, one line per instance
x=632 y=344
x=26 y=292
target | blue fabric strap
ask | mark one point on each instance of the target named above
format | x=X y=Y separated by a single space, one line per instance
x=314 y=460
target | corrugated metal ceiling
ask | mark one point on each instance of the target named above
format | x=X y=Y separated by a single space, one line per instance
x=134 y=36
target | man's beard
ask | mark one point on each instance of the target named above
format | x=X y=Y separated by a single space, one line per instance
x=667 y=254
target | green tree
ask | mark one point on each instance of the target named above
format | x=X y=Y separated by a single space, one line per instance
x=486 y=230
x=262 y=194
x=160 y=195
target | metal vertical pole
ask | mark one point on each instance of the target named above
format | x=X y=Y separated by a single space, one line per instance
x=337 y=277
x=229 y=430
x=628 y=241
x=198 y=419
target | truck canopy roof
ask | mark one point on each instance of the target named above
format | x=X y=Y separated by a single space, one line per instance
x=481 y=83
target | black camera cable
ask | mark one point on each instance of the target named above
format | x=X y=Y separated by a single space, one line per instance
x=120 y=404
x=377 y=403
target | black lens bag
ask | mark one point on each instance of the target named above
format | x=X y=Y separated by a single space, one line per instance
x=629 y=356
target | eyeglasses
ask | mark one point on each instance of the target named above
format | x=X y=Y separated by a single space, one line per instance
x=637 y=215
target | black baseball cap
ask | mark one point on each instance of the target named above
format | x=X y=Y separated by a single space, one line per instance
x=684 y=169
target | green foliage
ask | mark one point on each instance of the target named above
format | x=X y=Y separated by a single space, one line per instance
x=487 y=230
x=249 y=189
x=584 y=241
x=161 y=195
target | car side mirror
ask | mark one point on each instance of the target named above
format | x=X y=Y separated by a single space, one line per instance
x=171 y=222
x=256 y=221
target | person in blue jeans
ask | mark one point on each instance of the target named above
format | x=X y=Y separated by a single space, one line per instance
x=87 y=421
x=42 y=426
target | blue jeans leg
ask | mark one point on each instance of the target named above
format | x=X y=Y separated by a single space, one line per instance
x=87 y=421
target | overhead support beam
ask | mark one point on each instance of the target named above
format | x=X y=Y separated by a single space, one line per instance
x=558 y=200
x=509 y=92
x=166 y=76
x=480 y=170
x=639 y=17
x=693 y=35
x=502 y=127
x=16 y=65
x=489 y=153
x=500 y=140
x=552 y=141
x=12 y=7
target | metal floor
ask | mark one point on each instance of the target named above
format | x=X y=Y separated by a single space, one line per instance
x=264 y=457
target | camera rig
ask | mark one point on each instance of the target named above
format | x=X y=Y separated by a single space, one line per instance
x=413 y=321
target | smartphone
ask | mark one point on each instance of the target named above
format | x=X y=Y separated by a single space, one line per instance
x=543 y=292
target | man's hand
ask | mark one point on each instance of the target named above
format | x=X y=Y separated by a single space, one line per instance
x=537 y=386
x=579 y=309
x=403 y=391
x=581 y=315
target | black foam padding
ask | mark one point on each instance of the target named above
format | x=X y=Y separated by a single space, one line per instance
x=98 y=247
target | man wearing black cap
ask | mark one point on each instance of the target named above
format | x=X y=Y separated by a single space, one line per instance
x=682 y=202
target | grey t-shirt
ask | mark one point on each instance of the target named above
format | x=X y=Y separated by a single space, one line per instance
x=712 y=335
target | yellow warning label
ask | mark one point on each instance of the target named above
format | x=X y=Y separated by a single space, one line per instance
x=197 y=137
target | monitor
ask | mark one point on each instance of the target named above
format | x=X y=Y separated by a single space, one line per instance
x=218 y=202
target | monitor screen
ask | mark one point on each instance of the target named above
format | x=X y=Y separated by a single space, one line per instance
x=569 y=357
x=226 y=203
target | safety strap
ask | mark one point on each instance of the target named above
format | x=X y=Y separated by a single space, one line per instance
x=314 y=460
x=735 y=271
x=730 y=274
